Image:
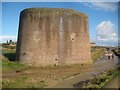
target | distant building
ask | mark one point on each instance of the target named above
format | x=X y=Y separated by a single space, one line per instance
x=92 y=44
x=12 y=44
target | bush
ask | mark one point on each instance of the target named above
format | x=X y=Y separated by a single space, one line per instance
x=10 y=65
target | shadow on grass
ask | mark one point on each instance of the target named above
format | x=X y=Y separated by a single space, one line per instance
x=10 y=56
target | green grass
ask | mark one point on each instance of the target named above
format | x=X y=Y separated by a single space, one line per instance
x=17 y=82
x=96 y=53
x=8 y=61
x=10 y=54
x=10 y=65
x=22 y=82
x=6 y=50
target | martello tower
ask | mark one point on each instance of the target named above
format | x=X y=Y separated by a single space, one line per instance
x=52 y=36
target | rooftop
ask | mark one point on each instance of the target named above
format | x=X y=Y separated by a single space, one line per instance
x=56 y=11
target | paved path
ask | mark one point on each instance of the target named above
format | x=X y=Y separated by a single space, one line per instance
x=94 y=69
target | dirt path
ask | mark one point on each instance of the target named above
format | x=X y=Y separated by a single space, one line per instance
x=99 y=66
x=90 y=73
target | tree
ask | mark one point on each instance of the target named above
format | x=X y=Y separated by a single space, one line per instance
x=10 y=41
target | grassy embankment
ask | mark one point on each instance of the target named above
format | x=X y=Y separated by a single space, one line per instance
x=8 y=60
x=96 y=52
x=9 y=65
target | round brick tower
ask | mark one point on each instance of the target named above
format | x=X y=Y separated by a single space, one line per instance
x=53 y=36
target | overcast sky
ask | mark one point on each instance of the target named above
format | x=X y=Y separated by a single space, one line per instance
x=103 y=18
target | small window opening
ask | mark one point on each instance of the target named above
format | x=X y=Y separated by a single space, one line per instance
x=24 y=53
x=73 y=39
x=56 y=59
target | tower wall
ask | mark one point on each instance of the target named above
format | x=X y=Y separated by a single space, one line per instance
x=53 y=37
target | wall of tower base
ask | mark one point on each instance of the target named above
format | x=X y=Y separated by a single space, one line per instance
x=49 y=37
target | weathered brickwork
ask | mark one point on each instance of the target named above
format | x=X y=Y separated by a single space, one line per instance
x=53 y=37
